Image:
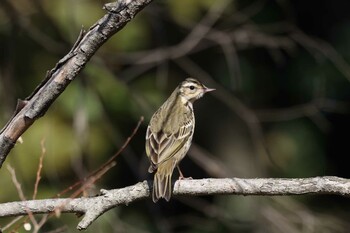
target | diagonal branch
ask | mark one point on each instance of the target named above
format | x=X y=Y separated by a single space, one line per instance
x=66 y=70
x=93 y=207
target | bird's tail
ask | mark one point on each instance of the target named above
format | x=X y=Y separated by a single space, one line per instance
x=162 y=181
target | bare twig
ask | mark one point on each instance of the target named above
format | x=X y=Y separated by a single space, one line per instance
x=38 y=172
x=66 y=70
x=21 y=193
x=86 y=182
x=96 y=174
x=123 y=146
x=16 y=182
x=93 y=207
x=8 y=225
x=93 y=178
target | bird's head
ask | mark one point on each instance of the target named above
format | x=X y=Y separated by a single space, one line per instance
x=191 y=89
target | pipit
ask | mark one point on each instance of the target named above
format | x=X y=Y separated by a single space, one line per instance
x=169 y=135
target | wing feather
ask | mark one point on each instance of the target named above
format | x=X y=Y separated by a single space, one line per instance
x=160 y=146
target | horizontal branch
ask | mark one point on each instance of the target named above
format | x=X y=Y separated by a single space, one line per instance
x=67 y=69
x=93 y=207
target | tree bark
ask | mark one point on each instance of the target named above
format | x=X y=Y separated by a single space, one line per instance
x=93 y=207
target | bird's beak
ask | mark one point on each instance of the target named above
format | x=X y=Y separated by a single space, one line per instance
x=206 y=89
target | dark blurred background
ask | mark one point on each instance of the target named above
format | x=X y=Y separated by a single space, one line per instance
x=281 y=109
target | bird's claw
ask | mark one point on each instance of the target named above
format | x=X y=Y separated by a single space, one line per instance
x=185 y=178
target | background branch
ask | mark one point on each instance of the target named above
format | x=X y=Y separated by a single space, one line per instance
x=57 y=79
x=93 y=207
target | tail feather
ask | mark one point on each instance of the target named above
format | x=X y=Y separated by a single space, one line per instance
x=162 y=182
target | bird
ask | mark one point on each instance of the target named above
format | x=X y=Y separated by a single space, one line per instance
x=169 y=135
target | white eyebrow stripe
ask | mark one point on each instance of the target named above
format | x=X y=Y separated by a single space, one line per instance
x=191 y=84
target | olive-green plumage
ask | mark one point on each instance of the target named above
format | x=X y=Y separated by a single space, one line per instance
x=169 y=134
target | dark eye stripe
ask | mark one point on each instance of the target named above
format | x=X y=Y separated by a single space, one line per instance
x=191 y=86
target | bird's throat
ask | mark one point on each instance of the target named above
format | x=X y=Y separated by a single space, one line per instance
x=186 y=102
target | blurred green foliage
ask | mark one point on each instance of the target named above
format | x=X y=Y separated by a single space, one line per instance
x=277 y=59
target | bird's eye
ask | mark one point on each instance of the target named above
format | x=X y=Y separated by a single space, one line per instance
x=192 y=87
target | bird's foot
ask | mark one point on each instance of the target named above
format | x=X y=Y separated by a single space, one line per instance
x=185 y=178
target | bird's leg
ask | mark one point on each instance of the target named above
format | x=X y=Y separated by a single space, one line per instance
x=181 y=177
